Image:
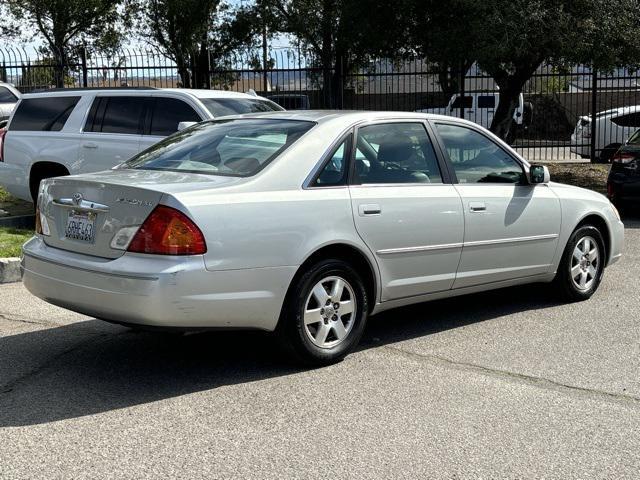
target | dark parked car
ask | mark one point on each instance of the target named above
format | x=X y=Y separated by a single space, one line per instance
x=623 y=184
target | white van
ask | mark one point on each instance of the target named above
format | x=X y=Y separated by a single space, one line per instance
x=71 y=131
x=479 y=107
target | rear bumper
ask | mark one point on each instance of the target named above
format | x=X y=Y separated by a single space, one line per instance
x=15 y=180
x=159 y=291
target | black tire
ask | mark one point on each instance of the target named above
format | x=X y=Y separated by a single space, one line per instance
x=295 y=336
x=564 y=282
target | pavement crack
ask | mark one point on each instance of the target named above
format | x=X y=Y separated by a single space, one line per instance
x=4 y=316
x=23 y=379
x=539 y=382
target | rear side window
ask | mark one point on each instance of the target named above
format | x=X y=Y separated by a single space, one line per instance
x=6 y=96
x=486 y=101
x=630 y=120
x=168 y=113
x=46 y=114
x=116 y=115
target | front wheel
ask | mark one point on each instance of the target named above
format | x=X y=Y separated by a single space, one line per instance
x=582 y=265
x=325 y=313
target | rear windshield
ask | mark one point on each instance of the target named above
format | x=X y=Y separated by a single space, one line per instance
x=235 y=147
x=634 y=139
x=43 y=114
x=220 y=107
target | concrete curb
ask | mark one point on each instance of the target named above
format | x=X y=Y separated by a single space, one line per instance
x=10 y=270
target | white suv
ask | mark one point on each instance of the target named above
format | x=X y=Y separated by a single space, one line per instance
x=613 y=129
x=73 y=131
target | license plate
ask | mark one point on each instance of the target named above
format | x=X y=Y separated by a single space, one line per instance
x=81 y=226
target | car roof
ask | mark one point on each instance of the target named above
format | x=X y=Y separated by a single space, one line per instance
x=352 y=116
x=198 y=93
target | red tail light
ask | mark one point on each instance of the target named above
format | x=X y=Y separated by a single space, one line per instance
x=3 y=133
x=167 y=231
x=622 y=157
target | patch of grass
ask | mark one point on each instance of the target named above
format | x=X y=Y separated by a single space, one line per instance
x=586 y=175
x=4 y=196
x=11 y=240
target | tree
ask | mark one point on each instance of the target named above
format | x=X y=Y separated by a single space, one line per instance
x=64 y=25
x=523 y=34
x=339 y=33
x=195 y=34
x=439 y=32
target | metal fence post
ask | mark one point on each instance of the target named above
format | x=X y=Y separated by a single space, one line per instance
x=85 y=73
x=594 y=107
x=463 y=74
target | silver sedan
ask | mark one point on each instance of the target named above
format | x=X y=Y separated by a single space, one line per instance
x=306 y=223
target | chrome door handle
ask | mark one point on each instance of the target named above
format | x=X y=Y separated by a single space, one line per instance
x=90 y=145
x=477 y=206
x=369 y=209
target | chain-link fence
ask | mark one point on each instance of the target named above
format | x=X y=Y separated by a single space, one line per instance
x=552 y=120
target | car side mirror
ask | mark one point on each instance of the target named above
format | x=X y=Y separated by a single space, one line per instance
x=183 y=125
x=539 y=174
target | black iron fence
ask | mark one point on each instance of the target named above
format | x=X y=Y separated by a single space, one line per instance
x=552 y=121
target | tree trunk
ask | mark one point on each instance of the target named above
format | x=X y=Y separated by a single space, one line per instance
x=503 y=117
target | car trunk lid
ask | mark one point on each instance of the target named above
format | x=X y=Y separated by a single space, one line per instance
x=89 y=213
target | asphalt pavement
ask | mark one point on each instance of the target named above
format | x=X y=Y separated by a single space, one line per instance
x=506 y=384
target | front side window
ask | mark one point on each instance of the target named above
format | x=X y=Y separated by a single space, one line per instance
x=395 y=153
x=458 y=102
x=6 y=96
x=47 y=114
x=220 y=107
x=238 y=147
x=476 y=158
x=168 y=113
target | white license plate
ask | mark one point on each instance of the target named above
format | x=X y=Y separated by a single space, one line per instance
x=81 y=226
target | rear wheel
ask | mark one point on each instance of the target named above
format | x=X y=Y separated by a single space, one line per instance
x=325 y=313
x=582 y=264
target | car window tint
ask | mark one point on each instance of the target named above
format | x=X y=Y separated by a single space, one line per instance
x=6 y=96
x=476 y=158
x=220 y=107
x=335 y=171
x=486 y=101
x=123 y=115
x=235 y=147
x=468 y=102
x=43 y=114
x=168 y=113
x=630 y=120
x=396 y=153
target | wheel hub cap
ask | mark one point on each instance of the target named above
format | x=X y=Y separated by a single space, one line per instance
x=330 y=311
x=585 y=263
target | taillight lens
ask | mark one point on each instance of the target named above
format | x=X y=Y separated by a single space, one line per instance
x=622 y=157
x=167 y=231
x=3 y=133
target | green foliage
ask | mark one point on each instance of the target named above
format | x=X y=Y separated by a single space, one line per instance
x=11 y=241
x=64 y=25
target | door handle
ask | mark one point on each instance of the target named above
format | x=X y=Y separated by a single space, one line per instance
x=90 y=145
x=369 y=209
x=477 y=206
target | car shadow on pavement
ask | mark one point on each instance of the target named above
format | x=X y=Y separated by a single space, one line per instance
x=631 y=218
x=92 y=367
